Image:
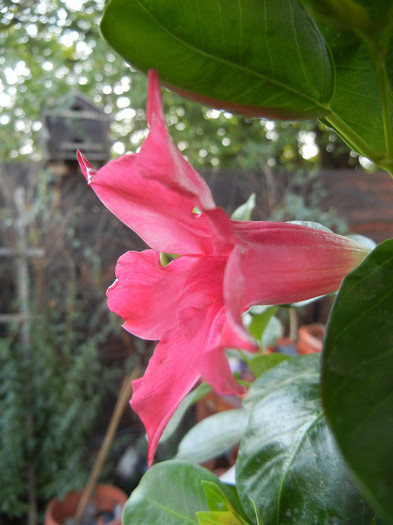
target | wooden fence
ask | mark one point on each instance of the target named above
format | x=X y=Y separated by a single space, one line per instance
x=365 y=199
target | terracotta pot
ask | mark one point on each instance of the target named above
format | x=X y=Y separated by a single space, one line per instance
x=310 y=338
x=106 y=497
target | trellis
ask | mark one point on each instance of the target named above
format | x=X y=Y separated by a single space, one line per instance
x=21 y=253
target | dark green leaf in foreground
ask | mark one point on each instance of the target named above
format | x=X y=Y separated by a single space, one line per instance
x=357 y=83
x=171 y=493
x=363 y=66
x=258 y=57
x=288 y=462
x=357 y=385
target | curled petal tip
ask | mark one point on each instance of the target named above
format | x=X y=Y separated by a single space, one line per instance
x=87 y=169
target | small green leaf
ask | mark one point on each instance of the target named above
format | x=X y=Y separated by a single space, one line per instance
x=260 y=317
x=170 y=493
x=216 y=499
x=272 y=333
x=244 y=212
x=213 y=436
x=261 y=363
x=219 y=504
x=288 y=462
x=357 y=379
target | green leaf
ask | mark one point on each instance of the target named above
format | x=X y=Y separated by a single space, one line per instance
x=216 y=499
x=261 y=363
x=170 y=493
x=220 y=507
x=244 y=211
x=272 y=332
x=213 y=435
x=288 y=462
x=343 y=13
x=363 y=81
x=357 y=85
x=219 y=518
x=312 y=224
x=260 y=317
x=357 y=379
x=361 y=239
x=281 y=378
x=240 y=56
x=258 y=517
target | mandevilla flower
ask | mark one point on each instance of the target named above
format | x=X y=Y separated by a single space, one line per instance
x=194 y=305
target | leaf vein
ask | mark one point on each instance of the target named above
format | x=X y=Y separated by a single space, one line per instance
x=231 y=65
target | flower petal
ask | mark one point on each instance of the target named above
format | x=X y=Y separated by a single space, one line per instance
x=168 y=165
x=234 y=286
x=213 y=363
x=221 y=231
x=172 y=371
x=285 y=263
x=192 y=349
x=143 y=294
x=150 y=297
x=156 y=191
x=170 y=375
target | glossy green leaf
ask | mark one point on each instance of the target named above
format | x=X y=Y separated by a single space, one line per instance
x=288 y=462
x=357 y=384
x=261 y=363
x=216 y=499
x=221 y=510
x=170 y=493
x=213 y=435
x=357 y=105
x=357 y=84
x=240 y=56
x=258 y=519
x=218 y=518
x=281 y=378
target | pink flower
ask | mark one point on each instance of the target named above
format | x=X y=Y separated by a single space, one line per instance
x=194 y=305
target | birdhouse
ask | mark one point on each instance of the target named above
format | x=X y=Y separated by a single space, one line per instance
x=75 y=124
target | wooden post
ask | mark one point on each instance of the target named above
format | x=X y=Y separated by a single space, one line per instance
x=22 y=270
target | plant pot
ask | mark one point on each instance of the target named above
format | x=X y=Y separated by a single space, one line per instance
x=283 y=345
x=310 y=338
x=106 y=498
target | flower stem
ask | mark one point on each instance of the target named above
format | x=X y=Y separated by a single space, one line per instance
x=358 y=144
x=351 y=137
